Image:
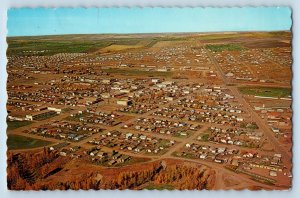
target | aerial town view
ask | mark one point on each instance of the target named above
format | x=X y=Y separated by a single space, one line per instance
x=194 y=110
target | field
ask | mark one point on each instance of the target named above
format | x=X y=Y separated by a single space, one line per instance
x=42 y=46
x=159 y=187
x=16 y=124
x=224 y=47
x=266 y=91
x=114 y=48
x=21 y=142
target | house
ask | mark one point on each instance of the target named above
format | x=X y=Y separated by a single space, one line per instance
x=58 y=110
x=93 y=153
x=105 y=95
x=275 y=130
x=155 y=80
x=273 y=173
x=229 y=74
x=128 y=135
x=124 y=102
x=239 y=119
x=203 y=156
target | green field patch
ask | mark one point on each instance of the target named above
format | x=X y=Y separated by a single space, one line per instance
x=159 y=187
x=224 y=47
x=155 y=40
x=205 y=137
x=22 y=142
x=276 y=92
x=47 y=47
x=134 y=72
x=16 y=124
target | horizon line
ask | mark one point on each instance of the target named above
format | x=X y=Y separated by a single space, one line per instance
x=141 y=33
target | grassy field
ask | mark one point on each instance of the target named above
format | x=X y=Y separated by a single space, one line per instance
x=153 y=41
x=22 y=142
x=16 y=124
x=159 y=187
x=51 y=47
x=266 y=91
x=134 y=72
x=224 y=47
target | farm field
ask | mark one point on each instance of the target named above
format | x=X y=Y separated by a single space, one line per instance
x=23 y=142
x=266 y=91
x=16 y=124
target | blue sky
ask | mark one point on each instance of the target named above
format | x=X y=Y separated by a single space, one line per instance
x=41 y=21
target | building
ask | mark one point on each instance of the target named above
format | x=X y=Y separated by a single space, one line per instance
x=105 y=95
x=56 y=109
x=124 y=102
x=155 y=80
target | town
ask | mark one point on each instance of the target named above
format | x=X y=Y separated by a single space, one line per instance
x=210 y=100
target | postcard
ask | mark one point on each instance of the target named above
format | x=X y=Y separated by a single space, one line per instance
x=149 y=98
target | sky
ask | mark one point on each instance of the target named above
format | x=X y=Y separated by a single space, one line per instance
x=43 y=21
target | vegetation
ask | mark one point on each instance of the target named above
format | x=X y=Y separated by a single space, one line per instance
x=65 y=44
x=26 y=171
x=44 y=117
x=266 y=91
x=224 y=47
x=51 y=47
x=155 y=40
x=22 y=142
x=16 y=124
x=159 y=187
x=205 y=137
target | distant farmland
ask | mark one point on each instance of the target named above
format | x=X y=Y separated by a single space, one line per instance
x=41 y=47
x=224 y=47
x=50 y=45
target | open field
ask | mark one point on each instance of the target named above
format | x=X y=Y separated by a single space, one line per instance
x=16 y=124
x=266 y=91
x=224 y=47
x=77 y=44
x=50 y=47
x=115 y=48
x=23 y=142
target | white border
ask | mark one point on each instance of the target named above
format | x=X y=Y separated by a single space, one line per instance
x=294 y=4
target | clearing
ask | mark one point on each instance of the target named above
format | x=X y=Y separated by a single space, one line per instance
x=266 y=91
x=22 y=142
x=16 y=124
